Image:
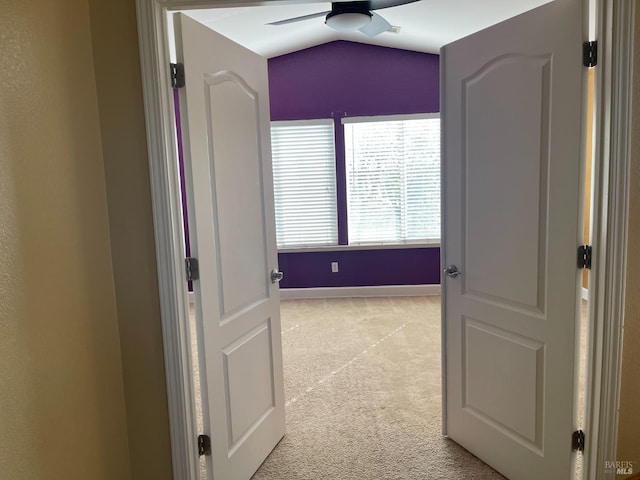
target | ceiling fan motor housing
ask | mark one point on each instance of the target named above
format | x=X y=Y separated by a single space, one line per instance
x=348 y=15
x=350 y=7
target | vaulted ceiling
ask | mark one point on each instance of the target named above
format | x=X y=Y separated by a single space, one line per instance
x=425 y=25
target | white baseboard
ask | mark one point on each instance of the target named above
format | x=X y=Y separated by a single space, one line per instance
x=377 y=291
x=585 y=293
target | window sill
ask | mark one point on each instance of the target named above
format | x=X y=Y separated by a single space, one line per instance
x=370 y=246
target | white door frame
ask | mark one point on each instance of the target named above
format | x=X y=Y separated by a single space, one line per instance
x=610 y=218
x=614 y=83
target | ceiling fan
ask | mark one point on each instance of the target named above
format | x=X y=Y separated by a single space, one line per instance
x=350 y=16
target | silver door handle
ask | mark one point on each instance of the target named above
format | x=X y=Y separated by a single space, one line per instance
x=451 y=271
x=276 y=276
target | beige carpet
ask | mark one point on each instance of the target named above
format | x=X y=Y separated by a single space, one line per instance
x=363 y=393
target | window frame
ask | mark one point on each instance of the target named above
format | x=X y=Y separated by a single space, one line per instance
x=391 y=118
x=329 y=122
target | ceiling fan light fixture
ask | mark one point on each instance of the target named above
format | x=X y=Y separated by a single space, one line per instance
x=347 y=21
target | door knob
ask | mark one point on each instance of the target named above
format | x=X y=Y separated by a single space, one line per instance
x=451 y=271
x=276 y=276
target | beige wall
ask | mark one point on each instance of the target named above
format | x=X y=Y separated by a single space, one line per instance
x=629 y=423
x=588 y=158
x=117 y=66
x=62 y=408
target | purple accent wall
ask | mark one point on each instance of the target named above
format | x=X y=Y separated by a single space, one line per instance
x=352 y=78
x=341 y=79
x=409 y=266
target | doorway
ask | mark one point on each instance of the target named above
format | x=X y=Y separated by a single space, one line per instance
x=526 y=300
x=147 y=47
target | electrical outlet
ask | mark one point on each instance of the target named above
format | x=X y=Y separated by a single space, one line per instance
x=334 y=267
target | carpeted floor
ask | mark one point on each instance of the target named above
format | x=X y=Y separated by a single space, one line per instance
x=363 y=394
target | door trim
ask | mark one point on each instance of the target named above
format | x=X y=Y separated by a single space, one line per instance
x=614 y=79
x=613 y=87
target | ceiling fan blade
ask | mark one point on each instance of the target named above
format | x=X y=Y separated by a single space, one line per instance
x=376 y=26
x=379 y=4
x=299 y=19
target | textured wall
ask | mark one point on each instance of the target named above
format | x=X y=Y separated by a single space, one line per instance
x=62 y=409
x=629 y=422
x=117 y=66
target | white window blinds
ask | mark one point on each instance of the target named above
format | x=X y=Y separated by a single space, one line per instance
x=304 y=177
x=393 y=179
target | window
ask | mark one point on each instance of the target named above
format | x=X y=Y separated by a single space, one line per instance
x=304 y=177
x=393 y=179
x=392 y=168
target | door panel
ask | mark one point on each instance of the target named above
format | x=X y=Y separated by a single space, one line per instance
x=518 y=414
x=250 y=390
x=511 y=107
x=237 y=173
x=230 y=199
x=523 y=129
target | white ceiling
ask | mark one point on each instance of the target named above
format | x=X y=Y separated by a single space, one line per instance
x=425 y=25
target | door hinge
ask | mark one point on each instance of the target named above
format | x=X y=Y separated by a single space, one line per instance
x=204 y=445
x=584 y=256
x=177 y=75
x=577 y=441
x=191 y=265
x=590 y=54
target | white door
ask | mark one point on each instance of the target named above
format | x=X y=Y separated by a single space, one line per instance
x=226 y=131
x=511 y=164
